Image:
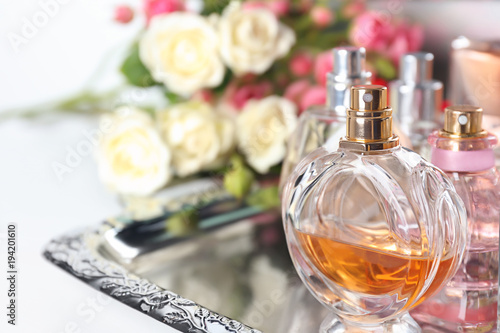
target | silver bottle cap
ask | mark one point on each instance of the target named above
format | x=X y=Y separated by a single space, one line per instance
x=349 y=64
x=416 y=67
x=416 y=98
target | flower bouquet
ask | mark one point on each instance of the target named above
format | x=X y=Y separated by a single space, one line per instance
x=234 y=76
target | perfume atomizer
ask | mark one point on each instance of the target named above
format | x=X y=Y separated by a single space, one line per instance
x=416 y=98
x=369 y=120
x=349 y=70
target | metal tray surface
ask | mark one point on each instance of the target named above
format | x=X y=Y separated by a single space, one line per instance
x=234 y=276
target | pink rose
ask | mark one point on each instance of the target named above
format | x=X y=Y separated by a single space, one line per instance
x=304 y=95
x=372 y=30
x=376 y=32
x=238 y=96
x=301 y=64
x=353 y=8
x=315 y=95
x=157 y=7
x=278 y=7
x=254 y=4
x=123 y=14
x=407 y=39
x=295 y=91
x=322 y=16
x=323 y=65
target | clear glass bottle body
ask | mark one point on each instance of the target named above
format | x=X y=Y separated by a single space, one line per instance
x=372 y=234
x=315 y=127
x=468 y=303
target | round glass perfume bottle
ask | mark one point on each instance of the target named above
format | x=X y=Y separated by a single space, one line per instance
x=464 y=151
x=372 y=228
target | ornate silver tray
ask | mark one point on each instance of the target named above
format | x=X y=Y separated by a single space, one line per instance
x=235 y=275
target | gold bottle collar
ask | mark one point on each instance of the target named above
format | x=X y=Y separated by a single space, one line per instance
x=369 y=120
x=463 y=121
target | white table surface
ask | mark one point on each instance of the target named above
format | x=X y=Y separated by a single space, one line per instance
x=54 y=63
x=31 y=195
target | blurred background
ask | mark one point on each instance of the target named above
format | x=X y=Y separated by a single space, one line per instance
x=81 y=46
x=81 y=33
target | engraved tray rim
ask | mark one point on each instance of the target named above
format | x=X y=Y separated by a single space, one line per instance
x=77 y=253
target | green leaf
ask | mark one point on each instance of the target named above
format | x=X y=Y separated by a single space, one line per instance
x=275 y=169
x=135 y=71
x=238 y=179
x=183 y=223
x=214 y=6
x=173 y=98
x=385 y=68
x=265 y=198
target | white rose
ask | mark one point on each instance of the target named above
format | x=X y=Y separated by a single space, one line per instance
x=252 y=39
x=196 y=135
x=132 y=158
x=181 y=50
x=263 y=128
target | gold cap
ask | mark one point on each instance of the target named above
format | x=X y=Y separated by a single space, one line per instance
x=463 y=121
x=369 y=120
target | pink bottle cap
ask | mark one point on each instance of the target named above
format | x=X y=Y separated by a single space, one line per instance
x=470 y=148
x=463 y=161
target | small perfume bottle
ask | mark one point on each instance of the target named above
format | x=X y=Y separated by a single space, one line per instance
x=372 y=228
x=319 y=123
x=417 y=99
x=474 y=73
x=464 y=151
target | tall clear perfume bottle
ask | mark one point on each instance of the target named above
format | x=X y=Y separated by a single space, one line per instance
x=373 y=229
x=464 y=151
x=319 y=123
x=417 y=99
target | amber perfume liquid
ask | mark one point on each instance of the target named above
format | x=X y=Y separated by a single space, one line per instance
x=372 y=271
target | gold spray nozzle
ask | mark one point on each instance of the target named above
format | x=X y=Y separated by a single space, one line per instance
x=463 y=121
x=369 y=98
x=369 y=120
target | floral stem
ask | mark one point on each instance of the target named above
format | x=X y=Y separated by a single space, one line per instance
x=85 y=102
